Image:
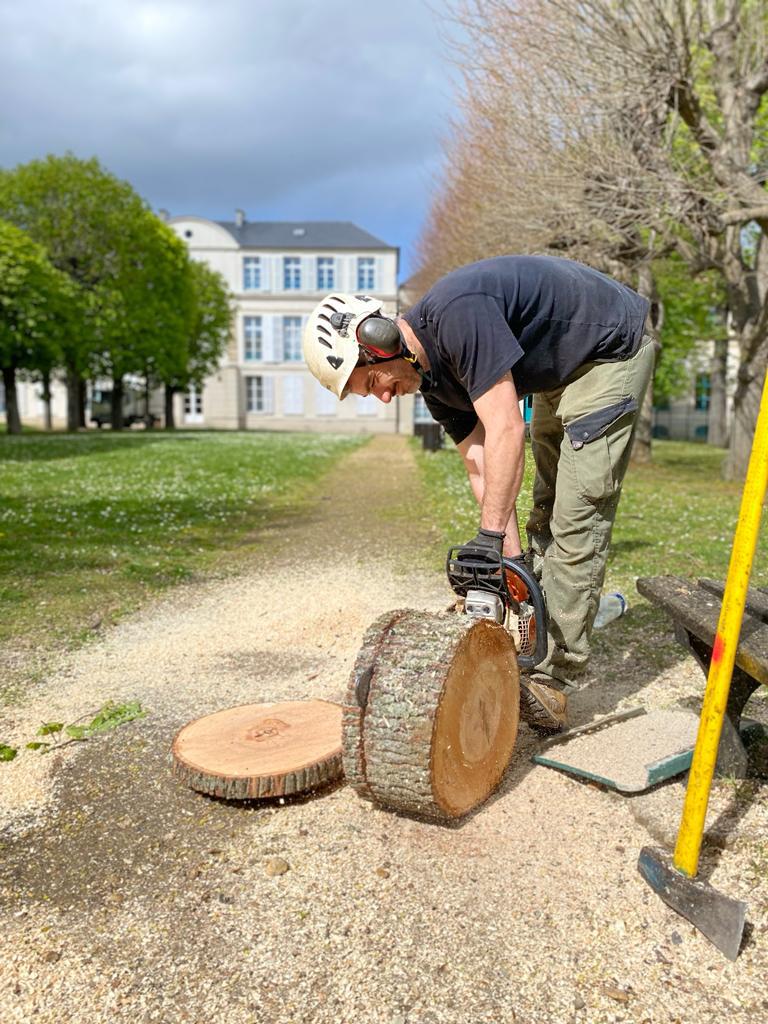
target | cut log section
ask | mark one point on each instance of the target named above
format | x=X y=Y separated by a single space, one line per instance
x=261 y=750
x=431 y=713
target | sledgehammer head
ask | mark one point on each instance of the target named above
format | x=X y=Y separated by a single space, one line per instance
x=718 y=917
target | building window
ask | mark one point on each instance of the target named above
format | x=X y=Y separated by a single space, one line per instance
x=193 y=405
x=326 y=273
x=703 y=388
x=258 y=394
x=366 y=278
x=252 y=339
x=292 y=339
x=291 y=273
x=251 y=273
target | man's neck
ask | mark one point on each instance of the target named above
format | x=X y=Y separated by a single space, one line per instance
x=413 y=343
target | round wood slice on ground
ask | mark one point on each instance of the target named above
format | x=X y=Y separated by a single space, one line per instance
x=431 y=713
x=261 y=750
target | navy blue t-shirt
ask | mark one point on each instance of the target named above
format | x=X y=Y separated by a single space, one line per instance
x=541 y=317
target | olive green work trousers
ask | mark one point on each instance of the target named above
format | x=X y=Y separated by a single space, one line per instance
x=581 y=437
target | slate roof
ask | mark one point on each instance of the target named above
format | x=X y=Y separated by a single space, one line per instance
x=308 y=234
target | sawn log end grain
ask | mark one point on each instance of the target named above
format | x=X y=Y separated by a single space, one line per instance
x=257 y=751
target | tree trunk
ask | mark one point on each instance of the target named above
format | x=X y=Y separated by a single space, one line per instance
x=12 y=418
x=116 y=407
x=746 y=404
x=717 y=424
x=73 y=383
x=46 y=397
x=148 y=422
x=82 y=398
x=431 y=713
x=170 y=423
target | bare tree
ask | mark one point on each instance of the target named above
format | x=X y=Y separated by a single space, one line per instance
x=615 y=131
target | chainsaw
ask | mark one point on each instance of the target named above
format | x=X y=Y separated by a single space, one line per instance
x=506 y=591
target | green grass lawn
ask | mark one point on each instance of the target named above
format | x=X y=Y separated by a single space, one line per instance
x=90 y=524
x=676 y=515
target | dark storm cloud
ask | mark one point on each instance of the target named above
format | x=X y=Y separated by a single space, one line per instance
x=287 y=108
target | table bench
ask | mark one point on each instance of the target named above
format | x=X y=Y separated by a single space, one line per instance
x=694 y=607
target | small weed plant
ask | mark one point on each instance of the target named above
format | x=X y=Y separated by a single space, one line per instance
x=55 y=735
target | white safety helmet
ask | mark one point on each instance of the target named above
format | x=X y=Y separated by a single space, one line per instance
x=331 y=349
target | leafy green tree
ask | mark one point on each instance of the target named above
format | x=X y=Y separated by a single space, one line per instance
x=91 y=225
x=694 y=311
x=36 y=304
x=209 y=331
x=145 y=316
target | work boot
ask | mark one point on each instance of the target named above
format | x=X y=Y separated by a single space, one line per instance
x=542 y=705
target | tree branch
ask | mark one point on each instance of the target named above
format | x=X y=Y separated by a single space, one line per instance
x=744 y=214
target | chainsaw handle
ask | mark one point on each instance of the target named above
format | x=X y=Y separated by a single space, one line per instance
x=521 y=570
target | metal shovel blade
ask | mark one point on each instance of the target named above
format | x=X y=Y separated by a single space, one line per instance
x=718 y=917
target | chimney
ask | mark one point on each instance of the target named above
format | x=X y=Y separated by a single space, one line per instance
x=239 y=218
x=163 y=215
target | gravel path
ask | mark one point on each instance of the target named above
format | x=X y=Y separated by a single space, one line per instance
x=126 y=897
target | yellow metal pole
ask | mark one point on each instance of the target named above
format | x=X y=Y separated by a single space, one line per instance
x=686 y=857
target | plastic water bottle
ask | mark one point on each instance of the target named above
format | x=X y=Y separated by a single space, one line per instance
x=612 y=606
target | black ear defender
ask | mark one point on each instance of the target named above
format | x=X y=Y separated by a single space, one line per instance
x=380 y=336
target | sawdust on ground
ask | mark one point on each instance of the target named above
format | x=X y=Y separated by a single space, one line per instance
x=126 y=897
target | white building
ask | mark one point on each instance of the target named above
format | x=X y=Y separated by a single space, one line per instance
x=277 y=272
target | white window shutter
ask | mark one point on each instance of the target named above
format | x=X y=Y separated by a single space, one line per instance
x=378 y=271
x=308 y=274
x=277 y=340
x=268 y=384
x=325 y=401
x=349 y=265
x=367 y=406
x=269 y=275
x=267 y=339
x=293 y=396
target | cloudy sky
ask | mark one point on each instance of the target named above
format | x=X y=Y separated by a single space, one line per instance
x=288 y=109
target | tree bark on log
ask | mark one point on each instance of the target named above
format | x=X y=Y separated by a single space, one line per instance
x=431 y=713
x=261 y=750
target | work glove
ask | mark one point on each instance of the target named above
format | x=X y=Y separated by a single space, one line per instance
x=485 y=547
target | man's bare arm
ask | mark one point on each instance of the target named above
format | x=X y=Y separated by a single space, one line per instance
x=494 y=456
x=471 y=449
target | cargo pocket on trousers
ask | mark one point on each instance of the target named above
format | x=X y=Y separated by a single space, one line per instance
x=592 y=455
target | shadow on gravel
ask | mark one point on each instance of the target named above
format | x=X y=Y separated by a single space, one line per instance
x=125 y=826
